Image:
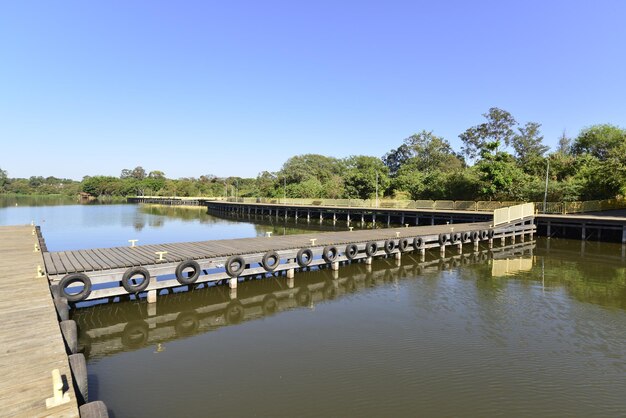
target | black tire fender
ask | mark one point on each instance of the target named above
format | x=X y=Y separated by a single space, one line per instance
x=403 y=244
x=443 y=238
x=475 y=236
x=454 y=238
x=490 y=233
x=304 y=257
x=330 y=253
x=180 y=272
x=270 y=260
x=371 y=248
x=418 y=242
x=135 y=271
x=389 y=246
x=351 y=251
x=75 y=278
x=483 y=234
x=239 y=262
x=466 y=236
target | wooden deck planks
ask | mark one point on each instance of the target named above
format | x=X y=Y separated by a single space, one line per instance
x=31 y=345
x=123 y=257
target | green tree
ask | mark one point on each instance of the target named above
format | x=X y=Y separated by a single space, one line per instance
x=529 y=148
x=361 y=174
x=564 y=145
x=156 y=174
x=4 y=179
x=138 y=173
x=424 y=151
x=490 y=135
x=396 y=158
x=303 y=167
x=267 y=184
x=599 y=140
x=308 y=189
x=500 y=176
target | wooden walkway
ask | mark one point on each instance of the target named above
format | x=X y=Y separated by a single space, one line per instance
x=31 y=345
x=111 y=272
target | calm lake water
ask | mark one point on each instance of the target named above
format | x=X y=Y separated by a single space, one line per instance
x=535 y=330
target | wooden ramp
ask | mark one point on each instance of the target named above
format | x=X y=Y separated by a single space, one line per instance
x=31 y=344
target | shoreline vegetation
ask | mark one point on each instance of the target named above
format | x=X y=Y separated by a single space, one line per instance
x=500 y=159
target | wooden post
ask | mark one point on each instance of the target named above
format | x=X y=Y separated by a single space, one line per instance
x=549 y=230
x=584 y=232
x=152 y=296
x=368 y=261
x=335 y=266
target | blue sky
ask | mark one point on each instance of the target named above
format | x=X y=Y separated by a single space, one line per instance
x=235 y=88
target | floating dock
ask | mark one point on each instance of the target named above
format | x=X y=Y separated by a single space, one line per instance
x=99 y=273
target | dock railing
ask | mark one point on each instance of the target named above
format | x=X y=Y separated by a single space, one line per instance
x=513 y=213
x=465 y=205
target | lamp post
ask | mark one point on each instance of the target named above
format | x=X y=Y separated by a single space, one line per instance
x=377 y=189
x=545 y=194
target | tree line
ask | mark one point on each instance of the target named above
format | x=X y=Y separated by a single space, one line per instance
x=500 y=159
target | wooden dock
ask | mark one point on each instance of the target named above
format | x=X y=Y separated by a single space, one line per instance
x=111 y=272
x=31 y=344
x=598 y=226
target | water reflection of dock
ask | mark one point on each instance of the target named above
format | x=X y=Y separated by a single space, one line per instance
x=112 y=328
